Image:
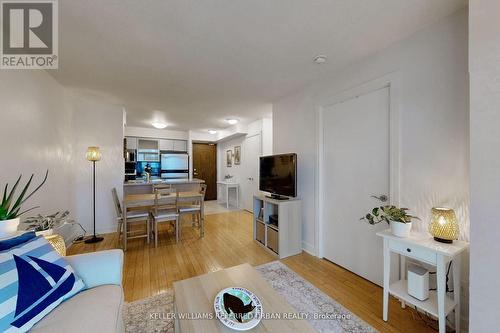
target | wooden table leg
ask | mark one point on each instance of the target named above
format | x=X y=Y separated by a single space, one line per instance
x=202 y=218
x=124 y=213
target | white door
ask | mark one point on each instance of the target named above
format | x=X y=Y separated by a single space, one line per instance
x=355 y=166
x=251 y=150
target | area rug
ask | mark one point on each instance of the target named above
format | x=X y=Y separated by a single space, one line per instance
x=154 y=314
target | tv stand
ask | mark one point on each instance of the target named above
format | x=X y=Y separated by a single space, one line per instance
x=277 y=225
x=277 y=197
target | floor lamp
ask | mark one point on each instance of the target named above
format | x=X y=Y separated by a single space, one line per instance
x=93 y=155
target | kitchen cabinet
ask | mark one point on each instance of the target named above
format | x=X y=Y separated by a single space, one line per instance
x=156 y=144
x=166 y=144
x=180 y=145
x=147 y=144
x=173 y=145
x=131 y=142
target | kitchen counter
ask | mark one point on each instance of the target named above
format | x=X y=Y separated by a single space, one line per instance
x=142 y=187
x=163 y=181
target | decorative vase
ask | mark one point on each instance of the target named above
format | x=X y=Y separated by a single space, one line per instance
x=9 y=227
x=400 y=229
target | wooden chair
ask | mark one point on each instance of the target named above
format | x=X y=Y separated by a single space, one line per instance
x=134 y=216
x=161 y=187
x=165 y=209
x=195 y=208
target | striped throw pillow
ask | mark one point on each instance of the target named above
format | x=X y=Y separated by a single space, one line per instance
x=34 y=279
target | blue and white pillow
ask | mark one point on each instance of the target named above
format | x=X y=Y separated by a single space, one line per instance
x=8 y=243
x=34 y=279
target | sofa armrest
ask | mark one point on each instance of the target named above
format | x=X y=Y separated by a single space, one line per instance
x=98 y=268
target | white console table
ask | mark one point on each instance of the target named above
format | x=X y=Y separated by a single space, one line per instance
x=229 y=185
x=425 y=249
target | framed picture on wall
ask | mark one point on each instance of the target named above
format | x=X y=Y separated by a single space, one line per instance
x=237 y=155
x=229 y=158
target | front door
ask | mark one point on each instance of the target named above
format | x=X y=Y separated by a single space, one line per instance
x=205 y=167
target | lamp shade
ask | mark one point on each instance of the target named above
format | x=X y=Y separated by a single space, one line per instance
x=93 y=154
x=444 y=226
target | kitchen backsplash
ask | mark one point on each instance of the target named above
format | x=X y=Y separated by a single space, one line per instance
x=154 y=165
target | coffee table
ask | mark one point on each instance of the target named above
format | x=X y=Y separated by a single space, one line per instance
x=196 y=296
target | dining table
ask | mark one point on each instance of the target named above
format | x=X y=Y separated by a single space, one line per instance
x=145 y=202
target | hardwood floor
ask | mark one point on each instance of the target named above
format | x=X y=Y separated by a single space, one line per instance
x=228 y=242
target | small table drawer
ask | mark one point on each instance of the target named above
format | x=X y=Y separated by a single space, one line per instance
x=413 y=251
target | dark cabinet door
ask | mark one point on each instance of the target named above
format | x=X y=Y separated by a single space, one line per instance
x=205 y=167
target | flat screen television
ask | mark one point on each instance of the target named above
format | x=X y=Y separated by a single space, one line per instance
x=278 y=175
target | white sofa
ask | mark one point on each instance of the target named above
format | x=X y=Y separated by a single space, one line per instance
x=98 y=308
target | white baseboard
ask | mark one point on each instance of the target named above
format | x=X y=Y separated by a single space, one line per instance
x=308 y=248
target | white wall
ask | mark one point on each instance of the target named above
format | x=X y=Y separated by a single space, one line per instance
x=44 y=126
x=433 y=104
x=432 y=66
x=237 y=171
x=95 y=123
x=202 y=136
x=267 y=136
x=34 y=136
x=484 y=46
x=156 y=133
x=262 y=127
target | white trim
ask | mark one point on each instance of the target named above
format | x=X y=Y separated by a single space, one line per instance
x=261 y=149
x=391 y=81
x=309 y=248
x=318 y=204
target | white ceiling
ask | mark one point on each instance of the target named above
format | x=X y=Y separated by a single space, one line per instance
x=202 y=61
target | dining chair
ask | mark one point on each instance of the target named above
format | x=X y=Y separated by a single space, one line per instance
x=161 y=187
x=165 y=209
x=195 y=208
x=134 y=216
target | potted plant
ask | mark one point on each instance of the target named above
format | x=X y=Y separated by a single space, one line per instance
x=10 y=208
x=45 y=225
x=398 y=218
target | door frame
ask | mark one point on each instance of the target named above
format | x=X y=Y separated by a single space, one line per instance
x=391 y=81
x=242 y=198
x=193 y=143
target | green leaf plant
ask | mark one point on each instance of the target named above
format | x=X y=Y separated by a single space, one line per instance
x=388 y=213
x=10 y=208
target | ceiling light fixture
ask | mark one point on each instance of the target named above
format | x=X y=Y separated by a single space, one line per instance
x=320 y=59
x=212 y=131
x=231 y=121
x=158 y=125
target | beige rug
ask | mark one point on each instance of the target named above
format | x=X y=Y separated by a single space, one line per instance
x=154 y=314
x=150 y=315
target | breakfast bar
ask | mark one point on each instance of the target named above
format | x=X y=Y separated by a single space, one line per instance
x=143 y=187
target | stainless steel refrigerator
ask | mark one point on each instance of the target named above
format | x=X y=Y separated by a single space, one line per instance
x=174 y=166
